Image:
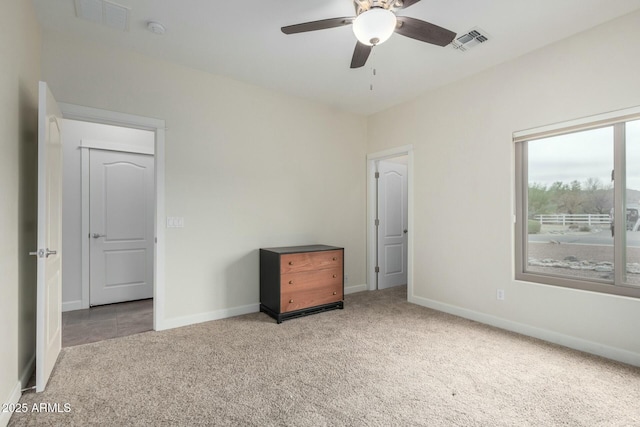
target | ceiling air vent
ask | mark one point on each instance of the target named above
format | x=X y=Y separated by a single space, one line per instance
x=473 y=38
x=104 y=12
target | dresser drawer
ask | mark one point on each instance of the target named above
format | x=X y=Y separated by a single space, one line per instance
x=291 y=263
x=329 y=277
x=299 y=299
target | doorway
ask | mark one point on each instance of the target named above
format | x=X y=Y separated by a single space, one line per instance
x=389 y=243
x=153 y=145
x=109 y=227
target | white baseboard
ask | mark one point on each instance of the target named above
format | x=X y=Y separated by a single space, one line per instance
x=575 y=343
x=229 y=312
x=72 y=305
x=13 y=398
x=206 y=317
x=353 y=289
x=16 y=393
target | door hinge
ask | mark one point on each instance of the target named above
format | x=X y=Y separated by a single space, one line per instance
x=377 y=269
x=377 y=222
x=377 y=175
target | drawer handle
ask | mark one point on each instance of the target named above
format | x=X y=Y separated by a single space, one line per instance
x=290 y=301
x=290 y=262
x=334 y=276
x=291 y=282
x=334 y=258
x=335 y=293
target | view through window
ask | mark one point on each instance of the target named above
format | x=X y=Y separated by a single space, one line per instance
x=570 y=201
x=570 y=186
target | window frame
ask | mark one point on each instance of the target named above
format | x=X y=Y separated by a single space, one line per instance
x=521 y=139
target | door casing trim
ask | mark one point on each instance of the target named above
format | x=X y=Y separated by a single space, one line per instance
x=95 y=115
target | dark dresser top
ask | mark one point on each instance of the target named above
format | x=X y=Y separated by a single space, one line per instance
x=296 y=249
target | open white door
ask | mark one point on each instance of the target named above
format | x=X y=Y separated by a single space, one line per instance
x=392 y=229
x=49 y=287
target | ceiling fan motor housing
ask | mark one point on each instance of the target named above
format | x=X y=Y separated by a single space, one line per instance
x=364 y=5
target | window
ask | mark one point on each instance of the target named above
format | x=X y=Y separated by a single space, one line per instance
x=578 y=204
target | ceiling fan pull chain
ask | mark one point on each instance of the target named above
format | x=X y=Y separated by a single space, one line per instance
x=373 y=73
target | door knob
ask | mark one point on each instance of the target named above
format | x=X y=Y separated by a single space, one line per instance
x=43 y=253
x=405 y=231
x=97 y=236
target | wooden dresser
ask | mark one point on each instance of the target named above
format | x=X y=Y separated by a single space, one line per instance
x=300 y=280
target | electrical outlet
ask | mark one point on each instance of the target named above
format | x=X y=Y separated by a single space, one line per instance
x=500 y=294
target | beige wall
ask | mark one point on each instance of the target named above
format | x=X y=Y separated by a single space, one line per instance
x=19 y=73
x=464 y=184
x=245 y=167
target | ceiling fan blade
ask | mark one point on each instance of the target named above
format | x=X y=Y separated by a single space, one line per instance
x=424 y=31
x=317 y=25
x=360 y=55
x=407 y=3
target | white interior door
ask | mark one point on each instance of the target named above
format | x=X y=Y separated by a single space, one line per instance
x=392 y=229
x=49 y=286
x=121 y=210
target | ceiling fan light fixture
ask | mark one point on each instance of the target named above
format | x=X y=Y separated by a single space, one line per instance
x=374 y=26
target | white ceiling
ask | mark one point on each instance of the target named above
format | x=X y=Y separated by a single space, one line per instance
x=241 y=39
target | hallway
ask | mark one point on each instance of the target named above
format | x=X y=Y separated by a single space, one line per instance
x=106 y=321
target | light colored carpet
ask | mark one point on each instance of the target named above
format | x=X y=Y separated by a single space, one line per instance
x=379 y=362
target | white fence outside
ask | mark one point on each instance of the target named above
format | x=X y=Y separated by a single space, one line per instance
x=564 y=219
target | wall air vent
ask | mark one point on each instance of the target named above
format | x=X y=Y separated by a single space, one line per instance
x=472 y=38
x=104 y=12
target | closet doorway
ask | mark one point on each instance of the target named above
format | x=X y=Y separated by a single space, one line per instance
x=390 y=218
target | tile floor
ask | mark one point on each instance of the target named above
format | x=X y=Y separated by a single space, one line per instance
x=106 y=321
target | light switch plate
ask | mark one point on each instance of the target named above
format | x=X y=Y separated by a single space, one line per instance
x=175 y=222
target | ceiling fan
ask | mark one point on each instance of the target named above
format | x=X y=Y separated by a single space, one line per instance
x=374 y=23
